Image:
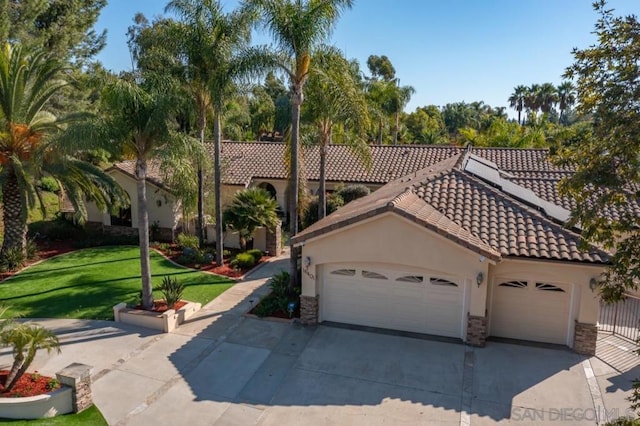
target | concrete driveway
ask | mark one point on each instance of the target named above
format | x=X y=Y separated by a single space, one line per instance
x=224 y=368
x=270 y=373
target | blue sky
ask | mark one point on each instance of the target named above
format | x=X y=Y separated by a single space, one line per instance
x=448 y=50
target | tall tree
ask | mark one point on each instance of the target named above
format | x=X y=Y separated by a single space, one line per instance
x=334 y=98
x=381 y=67
x=29 y=147
x=218 y=54
x=532 y=101
x=517 y=100
x=297 y=26
x=566 y=97
x=547 y=97
x=607 y=163
x=400 y=97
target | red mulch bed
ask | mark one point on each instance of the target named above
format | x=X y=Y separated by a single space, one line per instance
x=174 y=254
x=45 y=251
x=28 y=385
x=161 y=306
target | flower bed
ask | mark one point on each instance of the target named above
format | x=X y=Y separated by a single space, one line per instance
x=34 y=396
x=166 y=321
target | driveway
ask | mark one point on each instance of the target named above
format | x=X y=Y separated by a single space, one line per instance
x=272 y=373
x=224 y=368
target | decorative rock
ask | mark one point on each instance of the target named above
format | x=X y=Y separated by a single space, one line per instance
x=188 y=251
x=208 y=258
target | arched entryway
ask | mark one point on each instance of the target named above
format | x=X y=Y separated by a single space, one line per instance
x=270 y=189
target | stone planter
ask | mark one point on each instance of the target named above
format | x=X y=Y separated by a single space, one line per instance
x=35 y=407
x=166 y=321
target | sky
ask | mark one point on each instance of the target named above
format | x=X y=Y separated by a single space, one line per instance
x=447 y=50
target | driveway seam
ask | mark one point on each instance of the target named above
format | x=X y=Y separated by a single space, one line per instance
x=594 y=390
x=467 y=387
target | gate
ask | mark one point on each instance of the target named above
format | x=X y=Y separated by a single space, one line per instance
x=621 y=318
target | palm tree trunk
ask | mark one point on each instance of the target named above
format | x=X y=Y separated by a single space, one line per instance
x=202 y=123
x=143 y=233
x=218 y=189
x=14 y=214
x=395 y=129
x=296 y=101
x=18 y=361
x=519 y=122
x=322 y=186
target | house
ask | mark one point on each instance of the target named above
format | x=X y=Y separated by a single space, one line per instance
x=165 y=212
x=469 y=247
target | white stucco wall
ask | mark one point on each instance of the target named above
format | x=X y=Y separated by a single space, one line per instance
x=168 y=214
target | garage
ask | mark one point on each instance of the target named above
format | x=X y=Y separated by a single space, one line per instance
x=530 y=310
x=393 y=298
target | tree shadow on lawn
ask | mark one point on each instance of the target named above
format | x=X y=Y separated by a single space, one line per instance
x=61 y=258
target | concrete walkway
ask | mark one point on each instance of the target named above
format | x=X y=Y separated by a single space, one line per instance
x=223 y=368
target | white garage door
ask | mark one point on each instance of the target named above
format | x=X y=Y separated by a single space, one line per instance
x=367 y=295
x=529 y=310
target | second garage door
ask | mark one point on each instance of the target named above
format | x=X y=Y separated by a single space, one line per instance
x=367 y=295
x=529 y=310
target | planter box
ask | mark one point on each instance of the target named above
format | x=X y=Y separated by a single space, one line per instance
x=166 y=321
x=36 y=407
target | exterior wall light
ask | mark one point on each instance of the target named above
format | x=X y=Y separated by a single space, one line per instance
x=479 y=278
x=307 y=262
x=593 y=284
x=158 y=203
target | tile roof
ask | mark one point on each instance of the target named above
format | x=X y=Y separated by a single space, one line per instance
x=154 y=175
x=457 y=204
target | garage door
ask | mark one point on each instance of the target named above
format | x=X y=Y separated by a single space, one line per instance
x=420 y=302
x=528 y=310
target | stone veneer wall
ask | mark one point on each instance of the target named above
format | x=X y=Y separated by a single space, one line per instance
x=78 y=377
x=476 y=330
x=584 y=339
x=309 y=310
x=274 y=240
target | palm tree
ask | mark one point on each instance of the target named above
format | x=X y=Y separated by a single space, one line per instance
x=517 y=100
x=137 y=123
x=297 y=26
x=250 y=209
x=547 y=97
x=216 y=47
x=28 y=148
x=334 y=97
x=532 y=101
x=26 y=340
x=566 y=96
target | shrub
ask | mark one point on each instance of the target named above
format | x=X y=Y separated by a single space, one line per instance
x=353 y=192
x=172 y=290
x=279 y=285
x=267 y=306
x=257 y=254
x=13 y=259
x=188 y=241
x=243 y=261
x=49 y=184
x=32 y=249
x=55 y=230
x=310 y=215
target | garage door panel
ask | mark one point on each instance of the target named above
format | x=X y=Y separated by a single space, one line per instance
x=403 y=301
x=531 y=311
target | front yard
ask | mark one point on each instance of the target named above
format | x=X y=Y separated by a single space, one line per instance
x=85 y=284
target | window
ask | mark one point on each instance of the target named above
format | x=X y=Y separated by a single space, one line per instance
x=123 y=218
x=344 y=272
x=548 y=287
x=514 y=284
x=373 y=275
x=443 y=282
x=411 y=279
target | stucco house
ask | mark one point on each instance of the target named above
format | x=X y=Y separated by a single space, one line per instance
x=468 y=247
x=164 y=209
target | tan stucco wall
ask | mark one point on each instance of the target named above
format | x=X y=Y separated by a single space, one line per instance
x=168 y=214
x=586 y=302
x=392 y=240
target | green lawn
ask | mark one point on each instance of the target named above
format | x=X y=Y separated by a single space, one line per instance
x=87 y=283
x=89 y=417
